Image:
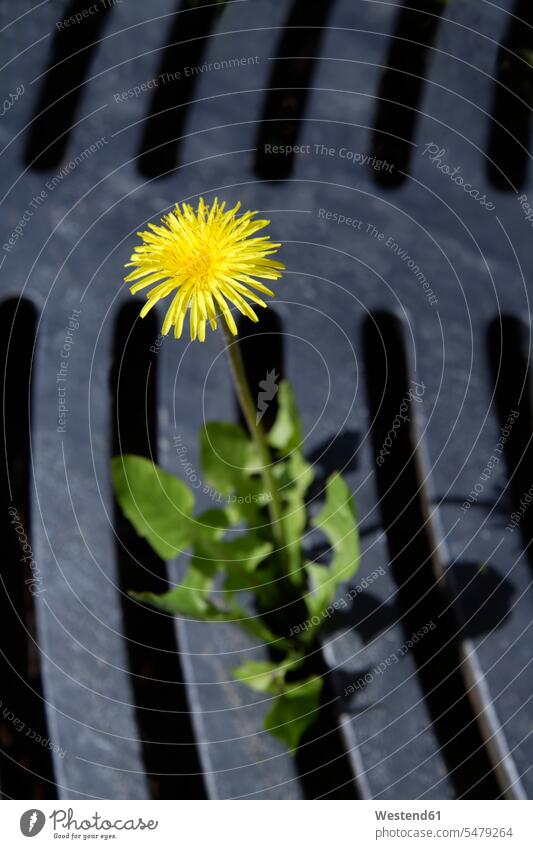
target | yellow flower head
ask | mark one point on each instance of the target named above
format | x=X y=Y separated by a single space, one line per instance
x=208 y=258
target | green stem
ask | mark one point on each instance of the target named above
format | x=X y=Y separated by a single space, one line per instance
x=257 y=433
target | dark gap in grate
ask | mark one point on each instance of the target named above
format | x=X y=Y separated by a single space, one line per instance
x=289 y=86
x=404 y=511
x=26 y=770
x=160 y=696
x=193 y=23
x=73 y=48
x=321 y=759
x=261 y=347
x=400 y=88
x=509 y=348
x=509 y=131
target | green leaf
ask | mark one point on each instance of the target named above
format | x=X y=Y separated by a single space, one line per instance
x=245 y=552
x=293 y=472
x=231 y=464
x=191 y=598
x=211 y=524
x=239 y=558
x=338 y=521
x=296 y=704
x=321 y=590
x=158 y=504
x=260 y=582
x=295 y=711
x=228 y=457
x=264 y=676
x=286 y=433
x=258 y=675
x=295 y=476
x=253 y=626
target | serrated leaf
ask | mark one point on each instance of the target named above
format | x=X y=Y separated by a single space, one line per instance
x=253 y=626
x=338 y=521
x=295 y=476
x=286 y=433
x=228 y=457
x=245 y=552
x=293 y=472
x=232 y=465
x=158 y=504
x=239 y=557
x=257 y=674
x=191 y=598
x=264 y=676
x=211 y=524
x=321 y=589
x=260 y=582
x=295 y=711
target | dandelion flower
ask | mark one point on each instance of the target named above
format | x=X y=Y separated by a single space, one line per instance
x=209 y=260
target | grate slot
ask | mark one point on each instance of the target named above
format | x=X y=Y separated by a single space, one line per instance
x=509 y=133
x=401 y=86
x=321 y=760
x=25 y=768
x=289 y=86
x=73 y=49
x=157 y=679
x=261 y=347
x=188 y=40
x=412 y=550
x=509 y=348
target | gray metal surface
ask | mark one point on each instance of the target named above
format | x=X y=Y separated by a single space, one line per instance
x=70 y=256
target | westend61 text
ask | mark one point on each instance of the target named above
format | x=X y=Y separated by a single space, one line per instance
x=407 y=815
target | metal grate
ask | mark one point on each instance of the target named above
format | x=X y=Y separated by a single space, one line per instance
x=134 y=704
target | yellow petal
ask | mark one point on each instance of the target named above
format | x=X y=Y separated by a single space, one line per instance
x=207 y=257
